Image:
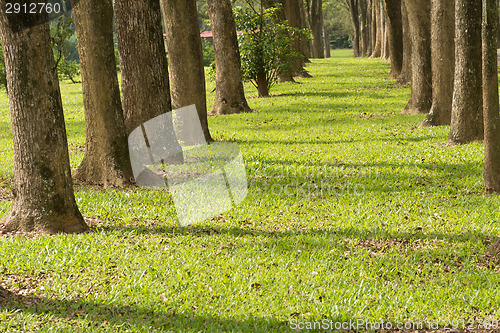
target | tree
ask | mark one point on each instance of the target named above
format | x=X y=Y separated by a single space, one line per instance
x=467 y=107
x=315 y=16
x=354 y=11
x=490 y=97
x=443 y=62
x=143 y=62
x=61 y=32
x=419 y=12
x=186 y=58
x=44 y=200
x=292 y=9
x=377 y=30
x=229 y=92
x=395 y=33
x=405 y=76
x=266 y=47
x=107 y=160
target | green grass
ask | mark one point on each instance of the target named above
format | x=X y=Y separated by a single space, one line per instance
x=352 y=212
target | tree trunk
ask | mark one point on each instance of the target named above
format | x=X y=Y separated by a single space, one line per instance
x=185 y=58
x=315 y=13
x=395 y=29
x=443 y=62
x=384 y=55
x=229 y=92
x=467 y=107
x=44 y=200
x=490 y=97
x=354 y=11
x=143 y=63
x=363 y=27
x=306 y=43
x=262 y=84
x=405 y=76
x=373 y=26
x=377 y=49
x=419 y=12
x=293 y=15
x=107 y=160
x=328 y=46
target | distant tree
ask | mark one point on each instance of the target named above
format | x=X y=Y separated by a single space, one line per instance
x=443 y=62
x=491 y=100
x=419 y=19
x=229 y=93
x=185 y=58
x=61 y=33
x=44 y=200
x=467 y=107
x=106 y=161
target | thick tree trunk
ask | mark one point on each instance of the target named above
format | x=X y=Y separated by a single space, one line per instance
x=293 y=15
x=44 y=201
x=405 y=76
x=393 y=9
x=229 y=93
x=467 y=108
x=490 y=97
x=354 y=11
x=419 y=12
x=143 y=62
x=185 y=58
x=106 y=160
x=377 y=49
x=443 y=62
x=315 y=13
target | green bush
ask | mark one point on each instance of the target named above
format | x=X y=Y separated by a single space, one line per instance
x=266 y=45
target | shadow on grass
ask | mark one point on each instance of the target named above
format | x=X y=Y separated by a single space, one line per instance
x=135 y=317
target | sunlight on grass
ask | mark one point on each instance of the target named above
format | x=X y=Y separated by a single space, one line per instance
x=352 y=212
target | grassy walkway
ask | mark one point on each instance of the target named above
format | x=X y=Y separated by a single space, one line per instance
x=352 y=213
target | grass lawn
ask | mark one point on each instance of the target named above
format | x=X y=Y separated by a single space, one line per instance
x=352 y=213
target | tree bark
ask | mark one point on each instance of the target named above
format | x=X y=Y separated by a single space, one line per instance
x=229 y=93
x=315 y=13
x=490 y=97
x=363 y=22
x=328 y=46
x=405 y=76
x=395 y=29
x=377 y=49
x=44 y=200
x=107 y=160
x=443 y=62
x=467 y=107
x=419 y=12
x=294 y=18
x=354 y=11
x=385 y=32
x=143 y=62
x=185 y=58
